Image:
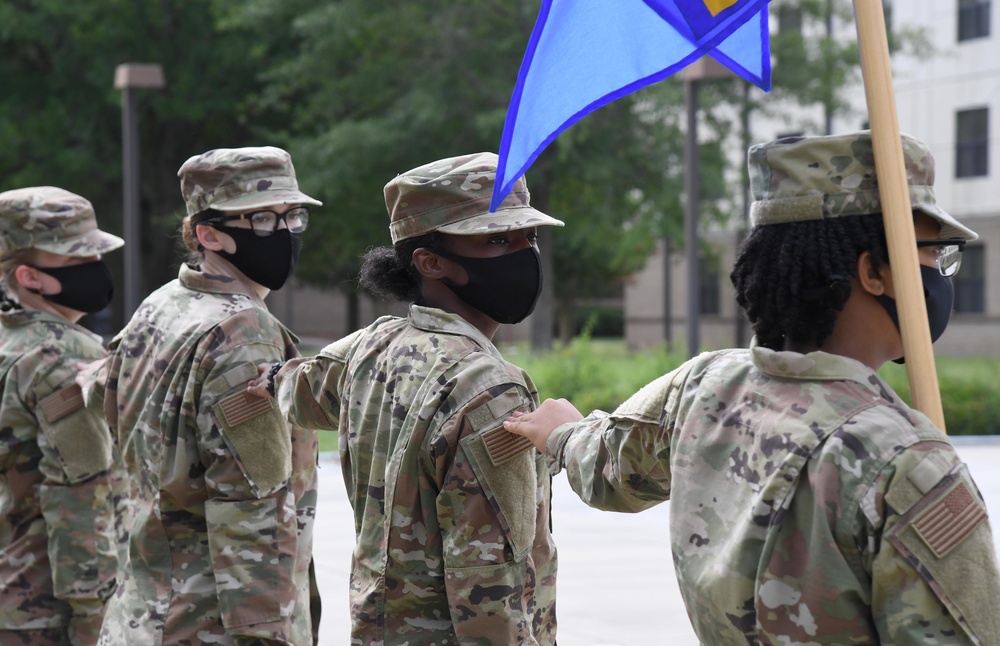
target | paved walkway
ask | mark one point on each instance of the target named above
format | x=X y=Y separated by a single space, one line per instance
x=616 y=578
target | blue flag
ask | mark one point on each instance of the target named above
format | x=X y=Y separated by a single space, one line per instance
x=584 y=54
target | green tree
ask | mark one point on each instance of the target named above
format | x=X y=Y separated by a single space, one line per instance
x=374 y=90
x=60 y=118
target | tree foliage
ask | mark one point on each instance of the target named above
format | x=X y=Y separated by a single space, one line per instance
x=359 y=91
x=60 y=117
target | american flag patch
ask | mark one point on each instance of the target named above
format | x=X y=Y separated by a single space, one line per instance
x=946 y=523
x=61 y=403
x=242 y=406
x=502 y=445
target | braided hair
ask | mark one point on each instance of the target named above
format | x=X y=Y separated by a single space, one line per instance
x=792 y=279
x=388 y=272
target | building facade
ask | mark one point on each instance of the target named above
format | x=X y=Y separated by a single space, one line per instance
x=950 y=99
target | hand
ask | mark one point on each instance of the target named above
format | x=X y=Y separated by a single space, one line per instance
x=539 y=424
x=258 y=386
x=88 y=371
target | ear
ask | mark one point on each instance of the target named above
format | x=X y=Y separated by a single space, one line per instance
x=208 y=237
x=28 y=278
x=874 y=281
x=431 y=265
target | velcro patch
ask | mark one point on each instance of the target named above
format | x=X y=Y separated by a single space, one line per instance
x=946 y=523
x=242 y=406
x=502 y=445
x=61 y=403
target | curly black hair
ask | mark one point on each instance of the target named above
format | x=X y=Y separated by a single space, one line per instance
x=792 y=279
x=388 y=272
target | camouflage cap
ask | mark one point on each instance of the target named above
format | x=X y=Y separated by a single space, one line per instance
x=814 y=178
x=53 y=220
x=453 y=196
x=239 y=179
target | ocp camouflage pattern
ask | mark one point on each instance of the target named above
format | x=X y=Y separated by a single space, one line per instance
x=453 y=196
x=814 y=178
x=451 y=548
x=57 y=541
x=223 y=491
x=798 y=484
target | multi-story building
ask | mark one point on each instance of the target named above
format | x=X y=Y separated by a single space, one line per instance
x=949 y=99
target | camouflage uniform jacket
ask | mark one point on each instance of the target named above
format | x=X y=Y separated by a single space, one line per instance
x=223 y=491
x=809 y=504
x=451 y=515
x=57 y=553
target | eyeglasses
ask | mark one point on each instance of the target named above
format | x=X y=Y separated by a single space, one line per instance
x=264 y=222
x=949 y=254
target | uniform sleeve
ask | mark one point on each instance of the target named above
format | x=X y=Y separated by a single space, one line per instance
x=934 y=575
x=75 y=496
x=308 y=393
x=487 y=512
x=250 y=513
x=621 y=462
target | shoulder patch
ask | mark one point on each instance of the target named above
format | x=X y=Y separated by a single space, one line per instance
x=501 y=445
x=232 y=378
x=241 y=407
x=946 y=523
x=61 y=403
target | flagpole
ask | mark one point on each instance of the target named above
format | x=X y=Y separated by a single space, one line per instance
x=896 y=209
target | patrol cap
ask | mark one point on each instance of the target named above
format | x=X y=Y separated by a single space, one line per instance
x=815 y=178
x=453 y=196
x=53 y=220
x=240 y=179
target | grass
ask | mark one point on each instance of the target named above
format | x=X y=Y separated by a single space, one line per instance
x=600 y=374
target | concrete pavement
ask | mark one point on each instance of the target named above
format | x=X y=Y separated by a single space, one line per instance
x=616 y=578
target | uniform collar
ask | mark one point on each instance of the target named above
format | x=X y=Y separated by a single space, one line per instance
x=814 y=366
x=432 y=319
x=20 y=318
x=215 y=283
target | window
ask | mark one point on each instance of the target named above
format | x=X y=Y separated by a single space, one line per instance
x=972 y=143
x=970 y=281
x=973 y=19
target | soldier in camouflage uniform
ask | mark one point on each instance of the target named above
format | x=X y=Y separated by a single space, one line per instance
x=223 y=490
x=809 y=503
x=451 y=512
x=57 y=544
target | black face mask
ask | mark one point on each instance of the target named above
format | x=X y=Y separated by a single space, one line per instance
x=87 y=287
x=939 y=295
x=267 y=261
x=504 y=288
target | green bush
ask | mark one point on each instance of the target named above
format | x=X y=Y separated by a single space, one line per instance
x=602 y=374
x=593 y=374
x=969 y=393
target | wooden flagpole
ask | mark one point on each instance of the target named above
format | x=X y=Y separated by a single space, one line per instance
x=896 y=209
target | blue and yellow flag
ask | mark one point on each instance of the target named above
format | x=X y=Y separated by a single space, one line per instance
x=584 y=54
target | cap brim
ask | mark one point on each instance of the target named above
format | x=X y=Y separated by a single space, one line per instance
x=263 y=199
x=950 y=227
x=501 y=220
x=93 y=243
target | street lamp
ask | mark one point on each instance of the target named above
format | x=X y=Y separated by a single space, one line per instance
x=129 y=77
x=704 y=69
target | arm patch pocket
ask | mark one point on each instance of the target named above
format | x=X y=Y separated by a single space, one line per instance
x=81 y=438
x=505 y=469
x=944 y=536
x=259 y=438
